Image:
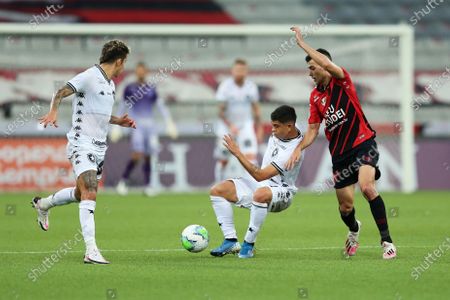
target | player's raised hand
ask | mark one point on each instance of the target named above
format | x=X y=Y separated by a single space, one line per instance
x=126 y=121
x=230 y=144
x=49 y=119
x=294 y=159
x=298 y=34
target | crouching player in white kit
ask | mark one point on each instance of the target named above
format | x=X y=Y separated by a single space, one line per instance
x=92 y=107
x=270 y=190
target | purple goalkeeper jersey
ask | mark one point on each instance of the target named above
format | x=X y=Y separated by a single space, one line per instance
x=140 y=99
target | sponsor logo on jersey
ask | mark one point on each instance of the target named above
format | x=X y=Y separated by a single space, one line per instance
x=275 y=152
x=332 y=116
x=98 y=143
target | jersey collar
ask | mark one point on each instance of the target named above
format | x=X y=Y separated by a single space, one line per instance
x=103 y=73
x=291 y=139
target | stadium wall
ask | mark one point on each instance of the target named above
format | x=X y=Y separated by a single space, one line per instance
x=187 y=163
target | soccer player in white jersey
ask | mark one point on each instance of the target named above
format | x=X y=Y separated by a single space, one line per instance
x=239 y=115
x=92 y=107
x=270 y=188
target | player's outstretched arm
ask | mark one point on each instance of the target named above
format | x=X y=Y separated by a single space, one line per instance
x=123 y=121
x=318 y=57
x=308 y=139
x=256 y=172
x=51 y=117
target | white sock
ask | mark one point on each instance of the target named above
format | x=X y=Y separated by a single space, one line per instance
x=62 y=197
x=224 y=214
x=258 y=213
x=219 y=171
x=87 y=209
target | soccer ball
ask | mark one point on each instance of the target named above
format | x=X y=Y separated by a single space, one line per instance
x=194 y=238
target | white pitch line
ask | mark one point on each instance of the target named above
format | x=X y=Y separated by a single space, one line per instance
x=177 y=250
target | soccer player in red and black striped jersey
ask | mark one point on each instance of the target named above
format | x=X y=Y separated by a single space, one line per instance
x=351 y=143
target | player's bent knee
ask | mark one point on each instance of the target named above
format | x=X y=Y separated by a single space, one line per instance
x=369 y=190
x=262 y=195
x=218 y=190
x=345 y=207
x=215 y=190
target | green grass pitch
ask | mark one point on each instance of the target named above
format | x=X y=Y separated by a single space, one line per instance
x=299 y=251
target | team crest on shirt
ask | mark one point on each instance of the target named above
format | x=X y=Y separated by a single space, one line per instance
x=91 y=157
x=275 y=152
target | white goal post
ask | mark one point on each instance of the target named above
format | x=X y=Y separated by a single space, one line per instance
x=404 y=32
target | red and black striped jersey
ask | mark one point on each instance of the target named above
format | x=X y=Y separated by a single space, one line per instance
x=345 y=124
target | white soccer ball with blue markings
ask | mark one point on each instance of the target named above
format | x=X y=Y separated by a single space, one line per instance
x=195 y=238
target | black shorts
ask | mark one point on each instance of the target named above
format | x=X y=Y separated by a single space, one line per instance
x=346 y=166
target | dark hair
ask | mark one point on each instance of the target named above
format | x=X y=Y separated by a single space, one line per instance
x=114 y=50
x=240 y=61
x=320 y=50
x=284 y=114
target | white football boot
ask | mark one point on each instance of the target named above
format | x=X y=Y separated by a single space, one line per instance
x=93 y=256
x=42 y=215
x=389 y=250
x=352 y=242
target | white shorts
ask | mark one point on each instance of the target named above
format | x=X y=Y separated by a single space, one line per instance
x=85 y=158
x=245 y=187
x=246 y=140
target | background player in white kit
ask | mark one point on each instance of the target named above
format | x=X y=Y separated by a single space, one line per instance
x=141 y=99
x=239 y=114
x=92 y=107
x=271 y=187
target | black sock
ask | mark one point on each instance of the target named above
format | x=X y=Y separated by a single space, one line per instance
x=379 y=215
x=232 y=240
x=130 y=166
x=349 y=220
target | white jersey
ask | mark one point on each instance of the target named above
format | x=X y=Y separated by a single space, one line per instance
x=238 y=100
x=277 y=154
x=92 y=107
